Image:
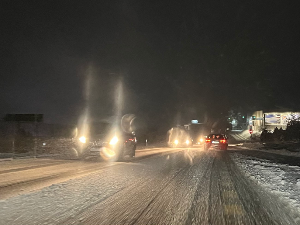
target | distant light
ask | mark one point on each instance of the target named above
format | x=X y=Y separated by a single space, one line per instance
x=176 y=142
x=187 y=142
x=243 y=117
x=44 y=144
x=194 y=121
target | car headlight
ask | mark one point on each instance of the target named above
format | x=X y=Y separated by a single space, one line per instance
x=82 y=139
x=187 y=142
x=201 y=140
x=114 y=140
x=176 y=142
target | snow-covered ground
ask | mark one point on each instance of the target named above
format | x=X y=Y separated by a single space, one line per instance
x=280 y=179
x=283 y=152
x=261 y=147
x=240 y=135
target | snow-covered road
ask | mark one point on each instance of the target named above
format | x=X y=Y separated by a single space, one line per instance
x=24 y=175
x=162 y=186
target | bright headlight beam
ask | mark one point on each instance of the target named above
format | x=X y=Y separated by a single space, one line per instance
x=176 y=142
x=82 y=139
x=114 y=140
x=187 y=142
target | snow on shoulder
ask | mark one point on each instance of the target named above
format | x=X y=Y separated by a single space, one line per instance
x=282 y=180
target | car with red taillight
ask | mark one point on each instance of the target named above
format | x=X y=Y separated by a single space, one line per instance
x=216 y=141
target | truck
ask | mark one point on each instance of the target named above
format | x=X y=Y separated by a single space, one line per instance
x=197 y=132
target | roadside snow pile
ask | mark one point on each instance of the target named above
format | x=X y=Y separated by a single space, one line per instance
x=280 y=179
x=240 y=136
x=282 y=149
x=252 y=146
x=283 y=152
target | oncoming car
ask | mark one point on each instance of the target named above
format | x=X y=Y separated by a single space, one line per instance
x=102 y=140
x=216 y=141
x=199 y=141
x=178 y=137
x=181 y=142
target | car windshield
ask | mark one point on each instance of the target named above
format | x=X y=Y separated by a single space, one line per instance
x=149 y=112
x=99 y=128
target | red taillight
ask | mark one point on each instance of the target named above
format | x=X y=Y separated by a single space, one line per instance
x=130 y=139
x=223 y=141
x=207 y=140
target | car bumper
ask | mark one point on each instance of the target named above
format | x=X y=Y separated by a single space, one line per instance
x=95 y=151
x=216 y=146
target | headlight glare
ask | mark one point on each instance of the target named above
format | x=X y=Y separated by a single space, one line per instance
x=114 y=140
x=82 y=139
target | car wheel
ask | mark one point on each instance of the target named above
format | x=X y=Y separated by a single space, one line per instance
x=120 y=157
x=132 y=155
x=133 y=151
x=120 y=154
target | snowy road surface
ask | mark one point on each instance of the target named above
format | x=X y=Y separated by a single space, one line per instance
x=161 y=186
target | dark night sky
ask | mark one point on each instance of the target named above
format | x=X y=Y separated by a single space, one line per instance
x=176 y=59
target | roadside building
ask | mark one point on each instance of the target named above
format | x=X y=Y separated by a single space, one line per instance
x=269 y=120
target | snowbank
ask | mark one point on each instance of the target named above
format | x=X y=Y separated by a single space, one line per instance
x=280 y=179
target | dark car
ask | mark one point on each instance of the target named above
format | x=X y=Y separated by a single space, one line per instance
x=216 y=141
x=106 y=141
